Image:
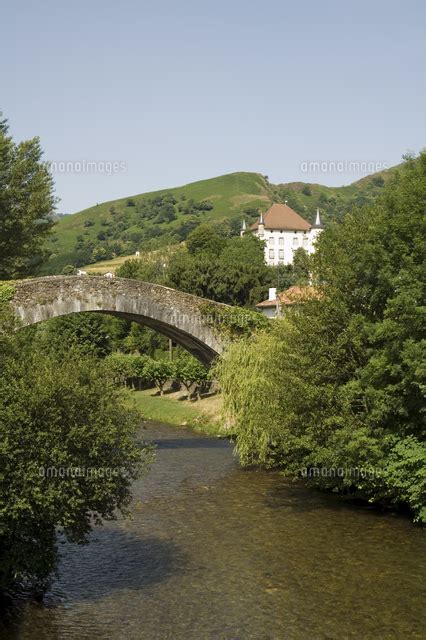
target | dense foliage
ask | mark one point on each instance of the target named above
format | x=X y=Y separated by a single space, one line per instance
x=68 y=450
x=162 y=219
x=132 y=369
x=68 y=453
x=335 y=392
x=26 y=205
x=227 y=269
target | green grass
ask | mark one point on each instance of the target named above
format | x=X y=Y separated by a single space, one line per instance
x=230 y=195
x=104 y=266
x=175 y=412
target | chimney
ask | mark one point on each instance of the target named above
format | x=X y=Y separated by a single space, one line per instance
x=261 y=226
x=272 y=293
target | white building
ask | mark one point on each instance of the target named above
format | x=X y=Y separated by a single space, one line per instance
x=284 y=231
x=276 y=304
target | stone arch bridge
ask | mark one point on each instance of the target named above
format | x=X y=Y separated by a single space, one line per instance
x=175 y=314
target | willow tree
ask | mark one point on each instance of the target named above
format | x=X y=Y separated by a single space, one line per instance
x=338 y=386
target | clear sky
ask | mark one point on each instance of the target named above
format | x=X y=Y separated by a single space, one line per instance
x=181 y=90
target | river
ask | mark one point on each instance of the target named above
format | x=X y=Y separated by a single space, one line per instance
x=218 y=552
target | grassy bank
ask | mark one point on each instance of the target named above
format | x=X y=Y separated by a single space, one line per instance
x=203 y=415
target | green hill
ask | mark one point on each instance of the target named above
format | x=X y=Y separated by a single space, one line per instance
x=153 y=220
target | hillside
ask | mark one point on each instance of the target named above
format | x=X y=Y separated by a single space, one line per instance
x=153 y=220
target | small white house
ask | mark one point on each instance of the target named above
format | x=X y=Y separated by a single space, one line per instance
x=109 y=274
x=81 y=273
x=138 y=254
x=274 y=306
x=271 y=308
x=283 y=231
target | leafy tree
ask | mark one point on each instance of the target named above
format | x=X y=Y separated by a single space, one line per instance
x=204 y=205
x=236 y=275
x=240 y=274
x=68 y=270
x=159 y=372
x=186 y=226
x=101 y=253
x=281 y=276
x=166 y=213
x=147 y=270
x=123 y=367
x=27 y=204
x=68 y=454
x=301 y=267
x=204 y=240
x=83 y=331
x=143 y=340
x=343 y=374
x=189 y=371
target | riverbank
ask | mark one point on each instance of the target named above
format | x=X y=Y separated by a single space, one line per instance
x=203 y=416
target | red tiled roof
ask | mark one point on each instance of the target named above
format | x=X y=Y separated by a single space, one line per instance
x=291 y=296
x=281 y=216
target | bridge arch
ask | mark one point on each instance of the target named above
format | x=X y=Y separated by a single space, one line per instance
x=175 y=314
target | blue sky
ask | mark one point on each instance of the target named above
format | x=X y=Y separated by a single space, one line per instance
x=181 y=91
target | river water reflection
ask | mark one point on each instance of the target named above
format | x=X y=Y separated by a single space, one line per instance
x=217 y=552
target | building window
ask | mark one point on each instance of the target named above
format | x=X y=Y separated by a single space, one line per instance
x=295 y=241
x=271 y=241
x=271 y=254
x=305 y=241
x=281 y=256
x=281 y=242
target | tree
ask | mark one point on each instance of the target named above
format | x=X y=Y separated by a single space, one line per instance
x=100 y=253
x=343 y=373
x=27 y=204
x=85 y=332
x=189 y=371
x=240 y=275
x=68 y=454
x=236 y=275
x=143 y=340
x=204 y=239
x=301 y=267
x=68 y=270
x=159 y=371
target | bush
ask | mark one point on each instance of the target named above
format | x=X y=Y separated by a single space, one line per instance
x=68 y=458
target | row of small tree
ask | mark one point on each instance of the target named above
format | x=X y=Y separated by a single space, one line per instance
x=137 y=370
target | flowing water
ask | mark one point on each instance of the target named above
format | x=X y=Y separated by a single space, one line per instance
x=218 y=552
